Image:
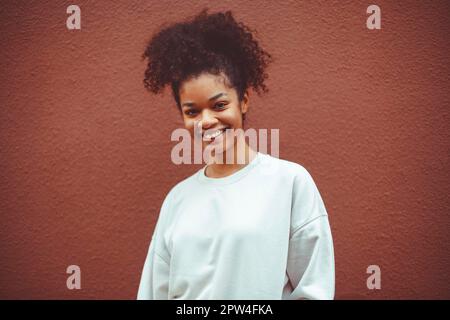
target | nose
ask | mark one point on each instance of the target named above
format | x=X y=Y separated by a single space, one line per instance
x=208 y=120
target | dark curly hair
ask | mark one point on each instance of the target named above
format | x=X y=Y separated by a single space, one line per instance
x=211 y=43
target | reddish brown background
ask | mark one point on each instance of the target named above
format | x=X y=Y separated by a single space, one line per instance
x=85 y=150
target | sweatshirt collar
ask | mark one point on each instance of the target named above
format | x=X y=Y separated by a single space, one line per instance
x=232 y=177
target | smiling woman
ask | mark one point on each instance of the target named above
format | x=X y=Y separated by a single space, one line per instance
x=209 y=101
x=231 y=230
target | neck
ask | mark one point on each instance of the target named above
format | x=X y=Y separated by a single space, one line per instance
x=220 y=170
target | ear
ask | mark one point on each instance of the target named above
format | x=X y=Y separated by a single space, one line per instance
x=245 y=102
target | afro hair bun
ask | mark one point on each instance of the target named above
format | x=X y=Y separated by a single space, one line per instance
x=208 y=43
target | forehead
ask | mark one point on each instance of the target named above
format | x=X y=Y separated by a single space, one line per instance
x=204 y=86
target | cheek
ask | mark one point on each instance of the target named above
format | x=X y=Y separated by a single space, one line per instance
x=188 y=124
x=232 y=117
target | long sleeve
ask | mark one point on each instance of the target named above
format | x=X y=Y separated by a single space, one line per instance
x=154 y=284
x=310 y=266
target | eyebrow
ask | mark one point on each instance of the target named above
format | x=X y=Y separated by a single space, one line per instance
x=190 y=104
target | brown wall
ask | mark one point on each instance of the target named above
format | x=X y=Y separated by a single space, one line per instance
x=85 y=150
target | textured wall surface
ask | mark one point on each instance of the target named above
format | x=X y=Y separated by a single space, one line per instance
x=85 y=150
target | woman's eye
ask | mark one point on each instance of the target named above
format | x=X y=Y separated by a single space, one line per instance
x=220 y=105
x=189 y=112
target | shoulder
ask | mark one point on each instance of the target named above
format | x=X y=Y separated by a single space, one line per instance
x=302 y=181
x=285 y=169
x=307 y=203
x=173 y=199
x=184 y=187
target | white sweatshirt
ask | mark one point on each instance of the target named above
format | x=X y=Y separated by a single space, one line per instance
x=260 y=233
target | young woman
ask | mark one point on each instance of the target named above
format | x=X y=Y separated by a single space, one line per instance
x=252 y=230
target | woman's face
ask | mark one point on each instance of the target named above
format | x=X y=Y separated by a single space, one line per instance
x=209 y=100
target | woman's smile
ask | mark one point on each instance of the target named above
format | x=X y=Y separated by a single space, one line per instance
x=212 y=136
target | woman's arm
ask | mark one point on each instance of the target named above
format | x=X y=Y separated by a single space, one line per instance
x=311 y=261
x=310 y=266
x=154 y=284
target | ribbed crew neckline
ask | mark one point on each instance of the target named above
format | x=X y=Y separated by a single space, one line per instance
x=201 y=176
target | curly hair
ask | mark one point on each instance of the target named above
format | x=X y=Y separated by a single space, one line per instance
x=212 y=43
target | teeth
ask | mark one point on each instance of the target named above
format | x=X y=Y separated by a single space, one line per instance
x=213 y=135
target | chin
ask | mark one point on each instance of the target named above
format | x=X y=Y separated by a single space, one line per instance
x=226 y=150
x=222 y=151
